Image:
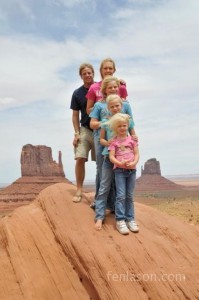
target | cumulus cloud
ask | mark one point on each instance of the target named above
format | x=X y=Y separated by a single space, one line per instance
x=154 y=44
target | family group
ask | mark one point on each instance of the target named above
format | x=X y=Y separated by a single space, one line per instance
x=103 y=124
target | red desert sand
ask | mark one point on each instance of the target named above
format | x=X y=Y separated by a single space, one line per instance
x=50 y=250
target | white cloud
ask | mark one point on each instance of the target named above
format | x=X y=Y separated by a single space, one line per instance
x=71 y=3
x=156 y=51
x=32 y=67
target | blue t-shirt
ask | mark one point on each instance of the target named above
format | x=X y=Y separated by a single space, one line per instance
x=109 y=132
x=100 y=111
x=126 y=109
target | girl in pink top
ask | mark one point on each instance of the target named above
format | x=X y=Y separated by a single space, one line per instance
x=124 y=154
x=94 y=94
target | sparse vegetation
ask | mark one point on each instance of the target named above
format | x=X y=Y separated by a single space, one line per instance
x=181 y=204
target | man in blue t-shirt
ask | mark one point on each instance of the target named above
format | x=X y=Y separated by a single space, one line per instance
x=83 y=137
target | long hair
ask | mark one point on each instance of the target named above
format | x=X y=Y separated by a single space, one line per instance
x=106 y=81
x=107 y=60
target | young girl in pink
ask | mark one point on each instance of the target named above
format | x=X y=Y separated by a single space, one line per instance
x=124 y=154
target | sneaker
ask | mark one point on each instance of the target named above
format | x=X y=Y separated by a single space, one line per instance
x=132 y=225
x=121 y=227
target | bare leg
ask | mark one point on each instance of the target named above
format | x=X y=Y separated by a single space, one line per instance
x=98 y=224
x=80 y=175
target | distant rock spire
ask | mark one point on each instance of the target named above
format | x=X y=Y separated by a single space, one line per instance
x=60 y=158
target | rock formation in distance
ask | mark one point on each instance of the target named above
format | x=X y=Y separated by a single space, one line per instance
x=38 y=161
x=38 y=170
x=151 y=179
x=151 y=167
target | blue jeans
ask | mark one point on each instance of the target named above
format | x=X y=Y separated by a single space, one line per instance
x=99 y=160
x=106 y=188
x=99 y=163
x=125 y=183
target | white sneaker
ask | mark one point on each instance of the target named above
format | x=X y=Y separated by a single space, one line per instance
x=132 y=225
x=121 y=227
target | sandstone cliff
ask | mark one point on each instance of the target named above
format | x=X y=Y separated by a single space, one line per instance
x=38 y=171
x=151 y=179
x=38 y=161
x=151 y=167
x=50 y=250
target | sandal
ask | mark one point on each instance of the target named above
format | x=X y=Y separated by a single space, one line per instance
x=77 y=198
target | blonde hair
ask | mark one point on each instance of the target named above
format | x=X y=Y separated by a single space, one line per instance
x=115 y=119
x=112 y=98
x=85 y=65
x=107 y=60
x=106 y=81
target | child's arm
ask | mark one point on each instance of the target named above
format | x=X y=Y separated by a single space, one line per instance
x=114 y=160
x=95 y=123
x=103 y=141
x=132 y=164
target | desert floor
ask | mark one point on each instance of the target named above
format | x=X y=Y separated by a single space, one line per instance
x=183 y=204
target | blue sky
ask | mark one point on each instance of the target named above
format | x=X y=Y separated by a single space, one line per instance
x=156 y=49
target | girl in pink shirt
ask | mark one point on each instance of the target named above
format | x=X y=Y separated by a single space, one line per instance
x=124 y=154
x=107 y=68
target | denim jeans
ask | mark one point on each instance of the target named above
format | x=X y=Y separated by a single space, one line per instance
x=125 y=183
x=107 y=187
x=99 y=163
x=99 y=160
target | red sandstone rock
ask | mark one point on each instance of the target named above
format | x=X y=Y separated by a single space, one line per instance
x=38 y=161
x=27 y=188
x=155 y=183
x=39 y=170
x=151 y=166
x=151 y=179
x=50 y=250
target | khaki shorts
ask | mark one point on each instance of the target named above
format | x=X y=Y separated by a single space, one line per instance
x=85 y=144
